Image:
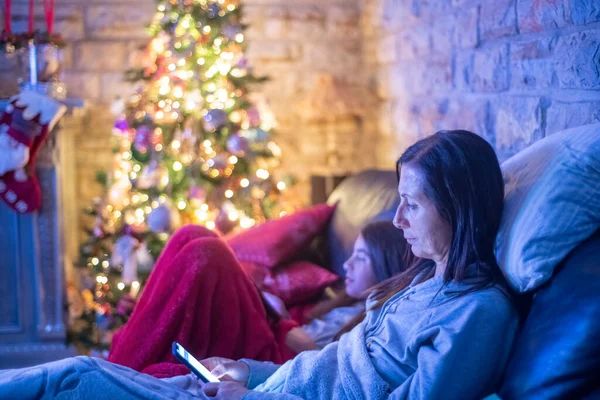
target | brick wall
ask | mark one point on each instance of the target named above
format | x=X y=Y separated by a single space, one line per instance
x=513 y=71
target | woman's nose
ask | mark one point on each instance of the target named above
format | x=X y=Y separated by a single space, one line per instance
x=399 y=221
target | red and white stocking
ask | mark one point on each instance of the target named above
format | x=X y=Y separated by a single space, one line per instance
x=24 y=125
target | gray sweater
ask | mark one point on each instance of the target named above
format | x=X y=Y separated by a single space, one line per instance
x=421 y=344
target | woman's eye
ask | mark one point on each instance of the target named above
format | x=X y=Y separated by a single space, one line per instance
x=411 y=206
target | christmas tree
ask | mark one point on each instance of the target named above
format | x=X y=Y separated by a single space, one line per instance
x=190 y=147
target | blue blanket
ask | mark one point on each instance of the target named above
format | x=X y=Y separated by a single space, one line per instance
x=87 y=378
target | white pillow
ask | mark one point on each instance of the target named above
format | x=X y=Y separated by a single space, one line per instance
x=552 y=203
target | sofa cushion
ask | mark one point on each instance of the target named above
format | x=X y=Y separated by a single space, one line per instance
x=298 y=282
x=552 y=204
x=294 y=283
x=557 y=354
x=279 y=240
x=360 y=198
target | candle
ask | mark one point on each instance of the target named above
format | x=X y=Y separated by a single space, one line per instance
x=7 y=26
x=49 y=14
x=30 y=24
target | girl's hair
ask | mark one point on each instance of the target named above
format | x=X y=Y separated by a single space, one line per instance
x=463 y=179
x=387 y=251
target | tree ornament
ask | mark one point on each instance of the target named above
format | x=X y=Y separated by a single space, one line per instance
x=253 y=115
x=143 y=139
x=223 y=223
x=163 y=219
x=214 y=120
x=231 y=30
x=197 y=195
x=153 y=175
x=24 y=125
x=255 y=135
x=124 y=255
x=237 y=145
x=121 y=127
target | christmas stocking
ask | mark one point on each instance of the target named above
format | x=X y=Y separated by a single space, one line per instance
x=24 y=125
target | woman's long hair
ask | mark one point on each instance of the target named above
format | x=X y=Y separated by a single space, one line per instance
x=463 y=179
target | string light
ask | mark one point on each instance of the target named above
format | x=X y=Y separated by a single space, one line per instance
x=244 y=183
x=229 y=193
x=210 y=225
x=246 y=222
x=105 y=264
x=262 y=173
x=121 y=285
x=177 y=166
x=204 y=207
x=95 y=261
x=181 y=205
x=281 y=185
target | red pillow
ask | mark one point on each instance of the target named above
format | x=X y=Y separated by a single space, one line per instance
x=280 y=239
x=298 y=282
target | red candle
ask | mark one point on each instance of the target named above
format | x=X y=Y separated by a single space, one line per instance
x=30 y=24
x=49 y=14
x=7 y=27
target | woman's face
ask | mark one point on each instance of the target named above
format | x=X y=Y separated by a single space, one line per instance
x=428 y=234
x=359 y=270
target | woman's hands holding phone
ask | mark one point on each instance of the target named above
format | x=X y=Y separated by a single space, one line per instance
x=228 y=370
x=233 y=374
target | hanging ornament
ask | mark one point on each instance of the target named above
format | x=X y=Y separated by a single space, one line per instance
x=255 y=135
x=98 y=231
x=124 y=255
x=231 y=30
x=218 y=163
x=153 y=175
x=121 y=127
x=213 y=10
x=214 y=120
x=197 y=195
x=253 y=115
x=163 y=219
x=144 y=259
x=223 y=223
x=237 y=145
x=143 y=139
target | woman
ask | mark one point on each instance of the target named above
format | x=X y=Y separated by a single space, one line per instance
x=199 y=296
x=441 y=330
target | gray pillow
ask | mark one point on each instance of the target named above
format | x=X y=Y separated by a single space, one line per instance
x=552 y=203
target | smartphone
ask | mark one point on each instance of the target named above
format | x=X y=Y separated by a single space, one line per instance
x=194 y=365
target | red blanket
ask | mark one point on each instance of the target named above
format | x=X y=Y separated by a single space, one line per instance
x=199 y=296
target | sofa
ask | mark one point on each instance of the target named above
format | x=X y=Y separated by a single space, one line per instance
x=557 y=354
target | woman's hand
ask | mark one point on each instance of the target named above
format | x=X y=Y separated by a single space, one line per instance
x=297 y=340
x=277 y=304
x=228 y=370
x=225 y=390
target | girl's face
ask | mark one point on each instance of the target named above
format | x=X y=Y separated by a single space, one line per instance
x=359 y=271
